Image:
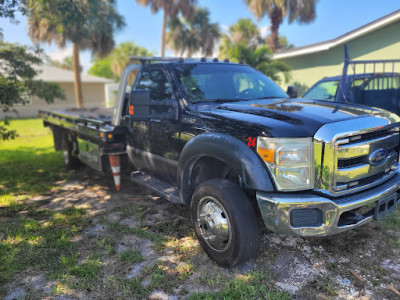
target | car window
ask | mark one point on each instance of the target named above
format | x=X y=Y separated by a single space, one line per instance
x=210 y=82
x=325 y=90
x=156 y=81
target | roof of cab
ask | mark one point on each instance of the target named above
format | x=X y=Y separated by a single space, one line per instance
x=179 y=60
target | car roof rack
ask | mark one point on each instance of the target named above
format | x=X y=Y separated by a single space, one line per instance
x=148 y=59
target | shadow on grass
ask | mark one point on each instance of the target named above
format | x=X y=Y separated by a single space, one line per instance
x=30 y=170
x=37 y=239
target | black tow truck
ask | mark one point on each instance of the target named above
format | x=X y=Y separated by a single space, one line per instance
x=226 y=140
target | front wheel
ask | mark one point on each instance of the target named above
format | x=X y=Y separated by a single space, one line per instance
x=224 y=222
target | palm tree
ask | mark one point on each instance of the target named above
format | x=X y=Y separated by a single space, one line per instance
x=245 y=31
x=120 y=56
x=260 y=58
x=194 y=34
x=243 y=43
x=302 y=11
x=87 y=24
x=171 y=9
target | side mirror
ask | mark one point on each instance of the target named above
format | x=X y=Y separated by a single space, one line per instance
x=139 y=103
x=292 y=91
x=142 y=108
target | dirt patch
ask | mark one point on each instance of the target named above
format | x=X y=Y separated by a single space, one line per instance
x=145 y=247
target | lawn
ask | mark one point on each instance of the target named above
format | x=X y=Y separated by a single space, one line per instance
x=33 y=237
x=28 y=164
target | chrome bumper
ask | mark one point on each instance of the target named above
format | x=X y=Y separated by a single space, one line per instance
x=276 y=208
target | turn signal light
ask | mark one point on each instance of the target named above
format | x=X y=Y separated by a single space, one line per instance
x=268 y=155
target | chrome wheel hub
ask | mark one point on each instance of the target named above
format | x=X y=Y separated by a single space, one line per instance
x=214 y=223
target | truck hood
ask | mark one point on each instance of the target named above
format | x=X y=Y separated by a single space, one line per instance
x=281 y=117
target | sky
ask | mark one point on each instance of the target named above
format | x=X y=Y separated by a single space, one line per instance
x=333 y=18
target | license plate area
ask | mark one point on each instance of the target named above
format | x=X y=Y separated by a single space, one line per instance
x=385 y=207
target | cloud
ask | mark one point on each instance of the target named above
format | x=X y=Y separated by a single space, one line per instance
x=264 y=30
x=60 y=54
x=224 y=28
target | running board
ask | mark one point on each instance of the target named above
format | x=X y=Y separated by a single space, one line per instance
x=157 y=186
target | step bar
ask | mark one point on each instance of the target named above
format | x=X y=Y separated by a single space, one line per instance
x=158 y=186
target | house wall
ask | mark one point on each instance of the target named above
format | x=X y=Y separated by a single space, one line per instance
x=383 y=43
x=93 y=95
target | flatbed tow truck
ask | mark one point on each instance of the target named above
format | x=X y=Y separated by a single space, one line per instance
x=226 y=140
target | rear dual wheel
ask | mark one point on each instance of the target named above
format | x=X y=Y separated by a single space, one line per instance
x=70 y=161
x=224 y=222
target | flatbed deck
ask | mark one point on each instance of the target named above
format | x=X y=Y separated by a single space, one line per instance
x=91 y=122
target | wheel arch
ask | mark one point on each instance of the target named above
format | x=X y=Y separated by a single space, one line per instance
x=230 y=151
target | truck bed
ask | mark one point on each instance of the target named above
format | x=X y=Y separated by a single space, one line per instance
x=91 y=122
x=100 y=114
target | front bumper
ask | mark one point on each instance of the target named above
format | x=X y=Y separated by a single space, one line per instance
x=276 y=209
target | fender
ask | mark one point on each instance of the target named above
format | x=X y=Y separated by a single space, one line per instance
x=232 y=152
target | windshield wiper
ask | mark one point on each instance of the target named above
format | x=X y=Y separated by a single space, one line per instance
x=268 y=97
x=218 y=100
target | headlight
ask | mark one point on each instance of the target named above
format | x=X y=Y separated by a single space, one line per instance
x=290 y=161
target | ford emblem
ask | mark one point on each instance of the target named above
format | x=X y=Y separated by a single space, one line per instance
x=378 y=157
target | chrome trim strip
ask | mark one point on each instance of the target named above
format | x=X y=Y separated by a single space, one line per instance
x=366 y=147
x=334 y=193
x=364 y=171
x=331 y=132
x=275 y=209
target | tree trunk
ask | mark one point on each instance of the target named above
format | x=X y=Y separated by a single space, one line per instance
x=276 y=20
x=77 y=77
x=164 y=25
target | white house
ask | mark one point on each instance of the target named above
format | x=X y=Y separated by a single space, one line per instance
x=93 y=90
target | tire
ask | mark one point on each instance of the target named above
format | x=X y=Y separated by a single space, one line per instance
x=71 y=162
x=221 y=202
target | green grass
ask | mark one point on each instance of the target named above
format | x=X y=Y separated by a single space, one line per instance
x=38 y=241
x=28 y=164
x=251 y=286
x=395 y=242
x=130 y=256
x=393 y=221
x=32 y=239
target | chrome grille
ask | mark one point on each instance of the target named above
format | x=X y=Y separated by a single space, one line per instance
x=354 y=169
x=351 y=158
x=360 y=160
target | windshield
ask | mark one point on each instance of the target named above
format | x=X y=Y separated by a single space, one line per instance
x=218 y=82
x=325 y=90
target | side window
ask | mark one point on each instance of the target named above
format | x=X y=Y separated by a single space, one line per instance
x=156 y=82
x=325 y=90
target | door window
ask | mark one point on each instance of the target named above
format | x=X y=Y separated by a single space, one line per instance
x=156 y=81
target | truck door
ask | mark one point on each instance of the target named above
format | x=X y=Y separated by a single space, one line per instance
x=155 y=141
